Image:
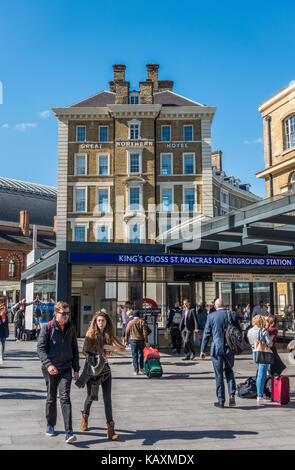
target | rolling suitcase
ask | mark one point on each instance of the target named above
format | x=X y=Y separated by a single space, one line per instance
x=153 y=368
x=281 y=390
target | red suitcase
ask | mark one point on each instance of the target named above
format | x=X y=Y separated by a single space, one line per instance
x=281 y=390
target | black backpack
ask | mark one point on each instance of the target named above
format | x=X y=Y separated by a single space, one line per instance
x=247 y=389
x=234 y=337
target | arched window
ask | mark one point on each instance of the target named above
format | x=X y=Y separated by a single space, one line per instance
x=11 y=268
x=290 y=132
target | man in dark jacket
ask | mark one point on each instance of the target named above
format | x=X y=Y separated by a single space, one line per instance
x=173 y=323
x=221 y=356
x=4 y=329
x=58 y=350
x=188 y=327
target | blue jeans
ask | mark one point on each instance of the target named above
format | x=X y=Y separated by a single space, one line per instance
x=261 y=377
x=137 y=347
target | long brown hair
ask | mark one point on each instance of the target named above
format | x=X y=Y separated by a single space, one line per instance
x=94 y=334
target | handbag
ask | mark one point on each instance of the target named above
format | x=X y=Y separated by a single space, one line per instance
x=263 y=354
x=95 y=364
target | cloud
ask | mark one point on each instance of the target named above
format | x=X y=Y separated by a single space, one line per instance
x=5 y=126
x=24 y=125
x=257 y=141
x=246 y=142
x=45 y=114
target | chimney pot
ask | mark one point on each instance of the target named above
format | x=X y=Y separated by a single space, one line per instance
x=119 y=72
x=24 y=222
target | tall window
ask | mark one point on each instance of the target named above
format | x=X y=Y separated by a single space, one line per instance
x=166 y=133
x=103 y=234
x=134 y=233
x=81 y=133
x=134 y=199
x=166 y=164
x=134 y=163
x=166 y=200
x=103 y=200
x=103 y=165
x=11 y=268
x=103 y=133
x=80 y=165
x=188 y=133
x=80 y=195
x=80 y=234
x=188 y=164
x=134 y=99
x=290 y=132
x=189 y=199
x=134 y=131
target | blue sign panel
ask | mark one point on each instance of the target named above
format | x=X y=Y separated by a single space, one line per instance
x=181 y=260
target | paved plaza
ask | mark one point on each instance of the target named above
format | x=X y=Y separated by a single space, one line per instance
x=174 y=412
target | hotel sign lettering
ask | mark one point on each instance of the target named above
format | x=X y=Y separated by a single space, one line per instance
x=137 y=143
x=175 y=145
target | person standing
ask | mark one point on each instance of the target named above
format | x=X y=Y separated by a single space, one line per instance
x=221 y=356
x=260 y=309
x=289 y=314
x=173 y=323
x=136 y=335
x=19 y=320
x=201 y=322
x=57 y=348
x=101 y=339
x=4 y=329
x=277 y=366
x=247 y=313
x=259 y=333
x=124 y=316
x=188 y=327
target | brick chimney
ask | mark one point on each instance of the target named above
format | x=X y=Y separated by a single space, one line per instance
x=24 y=218
x=119 y=76
x=152 y=75
x=146 y=92
x=55 y=224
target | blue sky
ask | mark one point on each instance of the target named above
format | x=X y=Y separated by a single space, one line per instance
x=228 y=54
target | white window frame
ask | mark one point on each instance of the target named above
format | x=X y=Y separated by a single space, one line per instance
x=188 y=154
x=165 y=188
x=99 y=127
x=102 y=188
x=77 y=134
x=137 y=186
x=192 y=127
x=78 y=224
x=166 y=154
x=134 y=152
x=141 y=223
x=75 y=188
x=98 y=155
x=287 y=135
x=194 y=189
x=75 y=164
x=132 y=94
x=167 y=125
x=134 y=122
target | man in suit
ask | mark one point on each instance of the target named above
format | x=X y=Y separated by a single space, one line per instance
x=221 y=356
x=188 y=327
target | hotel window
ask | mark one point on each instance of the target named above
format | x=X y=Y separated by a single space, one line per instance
x=189 y=199
x=134 y=233
x=166 y=164
x=189 y=164
x=80 y=164
x=166 y=200
x=103 y=133
x=80 y=199
x=166 y=133
x=188 y=133
x=81 y=133
x=103 y=200
x=11 y=268
x=80 y=234
x=290 y=132
x=103 y=234
x=134 y=163
x=134 y=131
x=134 y=198
x=134 y=98
x=103 y=164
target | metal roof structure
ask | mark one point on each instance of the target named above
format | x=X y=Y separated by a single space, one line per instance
x=8 y=184
x=265 y=228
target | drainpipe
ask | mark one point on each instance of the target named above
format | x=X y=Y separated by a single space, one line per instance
x=268 y=119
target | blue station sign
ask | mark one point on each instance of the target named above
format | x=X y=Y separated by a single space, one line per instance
x=181 y=260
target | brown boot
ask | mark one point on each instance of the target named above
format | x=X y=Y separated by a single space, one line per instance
x=111 y=431
x=84 y=422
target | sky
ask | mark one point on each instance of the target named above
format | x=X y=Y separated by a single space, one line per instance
x=230 y=54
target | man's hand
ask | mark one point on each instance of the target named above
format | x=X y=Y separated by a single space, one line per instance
x=52 y=370
x=202 y=356
x=76 y=375
x=196 y=331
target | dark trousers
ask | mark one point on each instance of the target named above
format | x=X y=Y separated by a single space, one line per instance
x=62 y=381
x=220 y=364
x=19 y=332
x=176 y=338
x=188 y=342
x=2 y=340
x=107 y=399
x=137 y=347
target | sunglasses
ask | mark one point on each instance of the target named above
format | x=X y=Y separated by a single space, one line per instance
x=64 y=313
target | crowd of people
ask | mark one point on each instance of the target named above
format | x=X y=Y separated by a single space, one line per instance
x=57 y=348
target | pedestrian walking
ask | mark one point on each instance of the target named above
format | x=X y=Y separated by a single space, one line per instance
x=188 y=327
x=172 y=326
x=4 y=329
x=57 y=348
x=100 y=340
x=255 y=334
x=136 y=335
x=222 y=357
x=201 y=323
